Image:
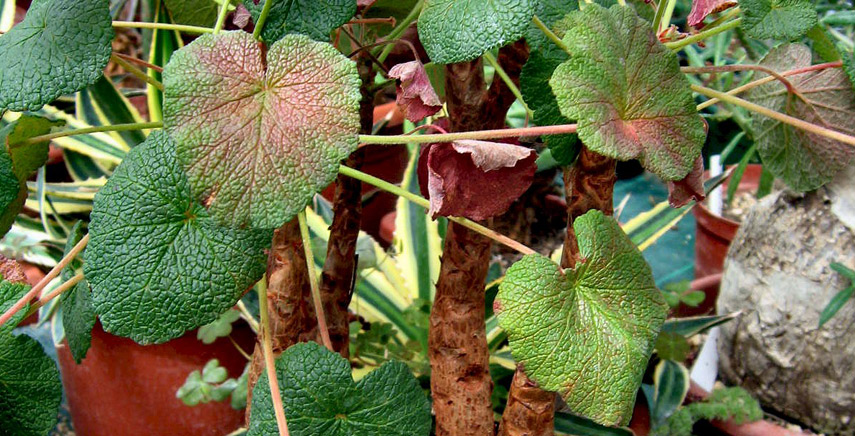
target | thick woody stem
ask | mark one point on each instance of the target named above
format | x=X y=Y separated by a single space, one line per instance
x=589 y=184
x=340 y=264
x=289 y=295
x=460 y=374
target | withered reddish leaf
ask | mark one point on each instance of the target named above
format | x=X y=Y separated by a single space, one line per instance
x=474 y=179
x=241 y=16
x=416 y=96
x=260 y=133
x=682 y=191
x=702 y=8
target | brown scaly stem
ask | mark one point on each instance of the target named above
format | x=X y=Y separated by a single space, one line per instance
x=460 y=374
x=289 y=295
x=461 y=385
x=340 y=264
x=588 y=184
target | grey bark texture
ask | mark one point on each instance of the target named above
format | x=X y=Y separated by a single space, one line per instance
x=777 y=272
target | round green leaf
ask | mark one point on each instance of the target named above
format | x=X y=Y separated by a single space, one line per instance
x=62 y=46
x=804 y=160
x=30 y=391
x=626 y=91
x=157 y=263
x=585 y=333
x=778 y=19
x=458 y=31
x=260 y=134
x=321 y=398
x=315 y=18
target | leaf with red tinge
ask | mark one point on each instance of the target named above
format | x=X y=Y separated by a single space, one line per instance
x=259 y=133
x=627 y=93
x=702 y=8
x=474 y=179
x=681 y=192
x=416 y=96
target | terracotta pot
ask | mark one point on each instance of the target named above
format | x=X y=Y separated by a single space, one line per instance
x=712 y=239
x=123 y=388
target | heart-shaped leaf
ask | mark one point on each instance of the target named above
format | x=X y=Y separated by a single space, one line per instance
x=18 y=162
x=321 y=398
x=626 y=91
x=30 y=391
x=778 y=19
x=458 y=31
x=702 y=8
x=804 y=160
x=157 y=263
x=585 y=333
x=259 y=134
x=78 y=315
x=474 y=179
x=315 y=18
x=62 y=46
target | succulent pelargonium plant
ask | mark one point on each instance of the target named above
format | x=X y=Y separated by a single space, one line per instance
x=181 y=215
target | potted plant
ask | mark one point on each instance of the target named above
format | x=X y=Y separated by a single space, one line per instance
x=247 y=125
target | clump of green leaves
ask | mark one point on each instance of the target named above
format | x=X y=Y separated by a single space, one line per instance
x=213 y=384
x=723 y=404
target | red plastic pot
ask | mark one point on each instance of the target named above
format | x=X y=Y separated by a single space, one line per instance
x=713 y=236
x=123 y=388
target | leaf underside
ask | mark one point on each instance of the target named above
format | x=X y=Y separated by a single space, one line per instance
x=458 y=31
x=157 y=263
x=585 y=333
x=320 y=398
x=19 y=162
x=78 y=315
x=626 y=91
x=258 y=137
x=62 y=46
x=804 y=160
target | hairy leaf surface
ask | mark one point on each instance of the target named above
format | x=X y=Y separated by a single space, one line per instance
x=321 y=398
x=534 y=85
x=10 y=293
x=585 y=333
x=778 y=19
x=259 y=134
x=462 y=30
x=30 y=391
x=626 y=91
x=78 y=315
x=157 y=263
x=315 y=18
x=62 y=46
x=804 y=160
